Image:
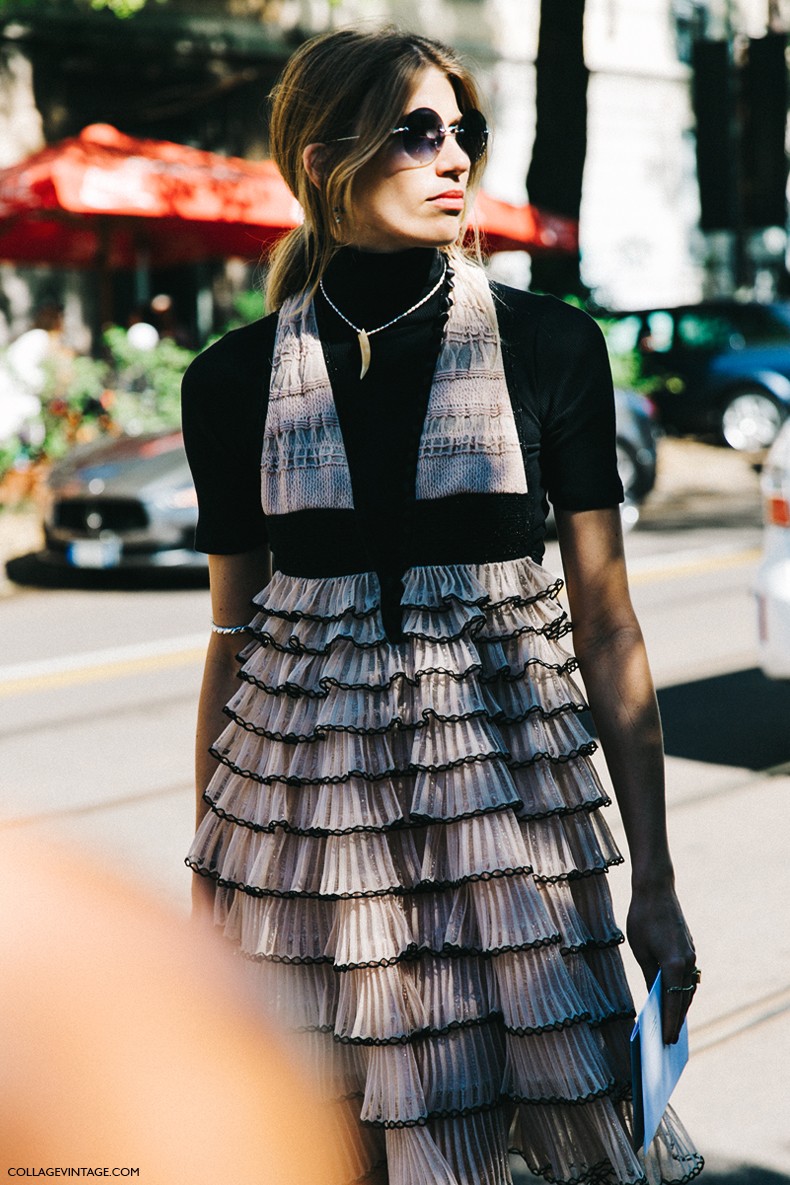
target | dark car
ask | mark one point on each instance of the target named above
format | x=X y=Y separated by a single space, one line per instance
x=720 y=369
x=130 y=503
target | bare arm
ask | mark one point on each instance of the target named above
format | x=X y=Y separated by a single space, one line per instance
x=613 y=663
x=235 y=579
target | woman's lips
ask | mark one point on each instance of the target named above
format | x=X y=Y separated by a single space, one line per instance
x=451 y=200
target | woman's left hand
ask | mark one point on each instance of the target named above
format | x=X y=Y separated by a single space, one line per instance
x=660 y=939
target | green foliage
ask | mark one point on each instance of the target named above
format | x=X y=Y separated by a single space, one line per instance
x=123 y=9
x=128 y=391
x=146 y=387
x=627 y=368
x=248 y=306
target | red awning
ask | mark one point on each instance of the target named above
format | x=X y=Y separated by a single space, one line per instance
x=106 y=197
x=103 y=199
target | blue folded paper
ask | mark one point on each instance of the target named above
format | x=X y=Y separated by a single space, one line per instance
x=655 y=1067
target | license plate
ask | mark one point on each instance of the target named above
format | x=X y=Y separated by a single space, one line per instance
x=94 y=553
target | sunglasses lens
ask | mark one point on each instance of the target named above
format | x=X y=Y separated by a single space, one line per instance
x=423 y=135
x=472 y=134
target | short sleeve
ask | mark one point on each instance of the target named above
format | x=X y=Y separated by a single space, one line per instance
x=578 y=451
x=223 y=409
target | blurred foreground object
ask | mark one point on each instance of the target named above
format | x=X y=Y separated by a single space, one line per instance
x=772 y=585
x=129 y=1042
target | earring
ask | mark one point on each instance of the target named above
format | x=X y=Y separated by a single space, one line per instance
x=338 y=213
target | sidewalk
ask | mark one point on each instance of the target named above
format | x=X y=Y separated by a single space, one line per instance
x=701 y=485
x=20 y=533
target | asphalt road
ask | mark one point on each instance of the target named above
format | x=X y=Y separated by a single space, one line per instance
x=98 y=688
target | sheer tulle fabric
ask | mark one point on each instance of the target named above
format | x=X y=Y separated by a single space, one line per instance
x=409 y=853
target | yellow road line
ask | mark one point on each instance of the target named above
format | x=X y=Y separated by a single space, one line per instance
x=694 y=567
x=100 y=672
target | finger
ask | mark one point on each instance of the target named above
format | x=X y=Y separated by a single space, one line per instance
x=672 y=1013
x=675 y=1003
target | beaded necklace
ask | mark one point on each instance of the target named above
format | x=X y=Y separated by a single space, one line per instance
x=364 y=335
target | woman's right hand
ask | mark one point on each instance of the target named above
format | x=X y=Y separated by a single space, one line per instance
x=660 y=939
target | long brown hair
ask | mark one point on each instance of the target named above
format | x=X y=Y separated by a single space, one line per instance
x=340 y=84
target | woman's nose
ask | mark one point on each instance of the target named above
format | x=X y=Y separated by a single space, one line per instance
x=452 y=158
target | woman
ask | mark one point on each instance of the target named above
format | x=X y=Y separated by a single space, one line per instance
x=399 y=827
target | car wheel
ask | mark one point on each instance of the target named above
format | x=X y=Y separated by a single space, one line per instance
x=751 y=421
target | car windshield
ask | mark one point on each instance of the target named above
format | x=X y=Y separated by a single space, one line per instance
x=746 y=325
x=703 y=328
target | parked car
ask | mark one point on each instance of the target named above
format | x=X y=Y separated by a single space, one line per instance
x=772 y=585
x=720 y=369
x=126 y=503
x=636 y=450
x=130 y=503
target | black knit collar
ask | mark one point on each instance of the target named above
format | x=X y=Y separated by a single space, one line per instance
x=371 y=287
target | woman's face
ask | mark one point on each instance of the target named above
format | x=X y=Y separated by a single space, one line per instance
x=399 y=203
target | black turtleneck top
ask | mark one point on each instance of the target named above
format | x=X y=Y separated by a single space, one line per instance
x=558 y=377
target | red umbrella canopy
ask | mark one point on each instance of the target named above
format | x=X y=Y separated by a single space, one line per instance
x=106 y=198
x=504 y=227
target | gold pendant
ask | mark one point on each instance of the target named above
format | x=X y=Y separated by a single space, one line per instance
x=364 y=350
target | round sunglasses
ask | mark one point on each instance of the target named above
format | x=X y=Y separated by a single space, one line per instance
x=422 y=135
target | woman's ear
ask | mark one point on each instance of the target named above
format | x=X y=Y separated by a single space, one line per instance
x=314 y=161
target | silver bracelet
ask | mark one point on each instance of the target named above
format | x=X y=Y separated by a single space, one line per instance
x=227 y=629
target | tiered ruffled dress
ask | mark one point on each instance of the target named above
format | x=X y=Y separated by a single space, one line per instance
x=406 y=835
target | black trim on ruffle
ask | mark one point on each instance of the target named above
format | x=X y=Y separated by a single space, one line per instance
x=611 y=1091
x=614 y=1091
x=403 y=824
x=424 y=1120
x=484 y=601
x=617 y=939
x=584 y=750
x=447 y=602
x=398 y=724
x=390 y=891
x=579 y=874
x=411 y=822
x=553 y=630
x=602 y=1173
x=411 y=954
x=403 y=890
x=505 y=674
x=620 y=1014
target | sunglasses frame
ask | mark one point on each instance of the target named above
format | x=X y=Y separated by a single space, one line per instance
x=441 y=131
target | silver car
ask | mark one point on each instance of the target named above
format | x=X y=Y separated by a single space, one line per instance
x=127 y=503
